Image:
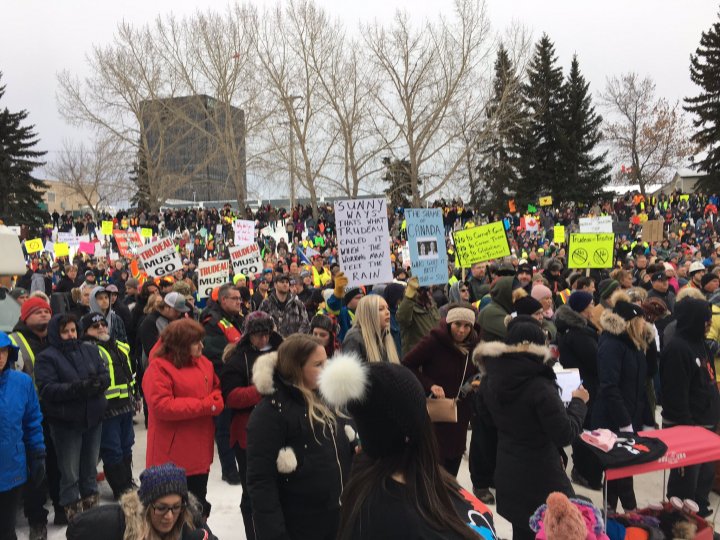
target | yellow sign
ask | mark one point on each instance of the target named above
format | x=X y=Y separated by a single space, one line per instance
x=559 y=235
x=146 y=233
x=34 y=245
x=546 y=201
x=479 y=244
x=107 y=228
x=685 y=197
x=591 y=250
x=62 y=249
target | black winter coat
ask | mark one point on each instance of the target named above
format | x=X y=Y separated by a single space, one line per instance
x=520 y=396
x=622 y=372
x=295 y=477
x=59 y=369
x=690 y=395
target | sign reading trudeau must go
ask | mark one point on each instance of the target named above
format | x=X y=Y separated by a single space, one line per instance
x=160 y=258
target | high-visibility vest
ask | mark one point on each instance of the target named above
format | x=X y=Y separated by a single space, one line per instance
x=117 y=391
x=564 y=295
x=26 y=356
x=231 y=333
x=320 y=280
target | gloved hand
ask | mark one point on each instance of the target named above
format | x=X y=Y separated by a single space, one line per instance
x=340 y=283
x=36 y=469
x=413 y=285
x=214 y=402
x=94 y=386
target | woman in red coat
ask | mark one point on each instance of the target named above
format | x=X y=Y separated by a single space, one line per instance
x=183 y=394
x=441 y=361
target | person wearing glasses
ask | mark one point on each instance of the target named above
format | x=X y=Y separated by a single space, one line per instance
x=162 y=508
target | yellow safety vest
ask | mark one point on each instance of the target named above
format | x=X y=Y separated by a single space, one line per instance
x=28 y=356
x=117 y=391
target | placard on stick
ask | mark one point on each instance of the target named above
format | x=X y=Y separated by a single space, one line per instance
x=246 y=259
x=159 y=258
x=480 y=244
x=244 y=231
x=363 y=247
x=212 y=274
x=591 y=250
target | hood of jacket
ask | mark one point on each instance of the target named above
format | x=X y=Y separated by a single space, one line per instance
x=510 y=367
x=454 y=293
x=614 y=324
x=501 y=293
x=691 y=314
x=54 y=339
x=566 y=318
x=94 y=307
x=134 y=512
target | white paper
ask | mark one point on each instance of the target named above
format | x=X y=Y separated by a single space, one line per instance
x=244 y=231
x=602 y=224
x=568 y=380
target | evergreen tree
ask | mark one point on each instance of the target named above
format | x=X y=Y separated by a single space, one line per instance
x=585 y=171
x=705 y=72
x=397 y=174
x=21 y=191
x=540 y=164
x=497 y=160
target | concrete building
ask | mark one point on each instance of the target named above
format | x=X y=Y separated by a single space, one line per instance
x=63 y=198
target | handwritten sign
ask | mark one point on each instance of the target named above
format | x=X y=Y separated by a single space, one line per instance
x=591 y=250
x=212 y=274
x=602 y=224
x=362 y=231
x=426 y=239
x=246 y=259
x=546 y=201
x=159 y=258
x=107 y=228
x=128 y=242
x=481 y=243
x=244 y=231
x=559 y=234
x=68 y=238
x=33 y=246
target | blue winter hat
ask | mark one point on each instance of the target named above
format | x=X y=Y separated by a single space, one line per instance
x=161 y=480
x=12 y=348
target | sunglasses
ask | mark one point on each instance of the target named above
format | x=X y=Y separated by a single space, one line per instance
x=99 y=325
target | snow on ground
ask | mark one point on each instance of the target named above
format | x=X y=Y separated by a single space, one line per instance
x=226 y=521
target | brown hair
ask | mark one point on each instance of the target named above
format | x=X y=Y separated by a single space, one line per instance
x=176 y=339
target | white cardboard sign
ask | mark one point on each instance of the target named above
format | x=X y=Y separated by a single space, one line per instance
x=246 y=259
x=212 y=274
x=159 y=258
x=244 y=231
x=596 y=225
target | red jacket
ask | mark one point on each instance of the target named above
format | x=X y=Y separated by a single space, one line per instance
x=180 y=420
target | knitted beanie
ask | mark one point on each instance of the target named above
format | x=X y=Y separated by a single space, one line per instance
x=606 y=287
x=393 y=293
x=627 y=311
x=31 y=305
x=258 y=322
x=323 y=322
x=527 y=305
x=579 y=300
x=707 y=278
x=562 y=519
x=161 y=480
x=352 y=292
x=524 y=329
x=460 y=314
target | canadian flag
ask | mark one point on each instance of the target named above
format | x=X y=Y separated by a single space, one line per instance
x=531 y=224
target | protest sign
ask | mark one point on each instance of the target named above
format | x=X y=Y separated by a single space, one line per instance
x=511 y=206
x=652 y=231
x=128 y=242
x=559 y=233
x=87 y=247
x=591 y=250
x=146 y=232
x=212 y=274
x=244 y=231
x=34 y=245
x=49 y=247
x=99 y=250
x=107 y=228
x=362 y=233
x=426 y=239
x=246 y=259
x=545 y=201
x=68 y=238
x=602 y=224
x=480 y=244
x=532 y=209
x=15 y=229
x=405 y=252
x=219 y=229
x=159 y=258
x=62 y=249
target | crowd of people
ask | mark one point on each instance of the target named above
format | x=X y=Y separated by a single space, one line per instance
x=316 y=394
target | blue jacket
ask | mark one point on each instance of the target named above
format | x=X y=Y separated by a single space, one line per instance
x=20 y=426
x=344 y=316
x=57 y=368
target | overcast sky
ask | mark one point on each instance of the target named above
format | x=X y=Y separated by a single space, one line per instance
x=38 y=38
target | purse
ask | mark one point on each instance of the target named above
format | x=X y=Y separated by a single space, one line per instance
x=445 y=409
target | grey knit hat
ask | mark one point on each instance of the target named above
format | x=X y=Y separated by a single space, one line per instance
x=161 y=480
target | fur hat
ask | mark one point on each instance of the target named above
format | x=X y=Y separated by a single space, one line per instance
x=386 y=401
x=258 y=322
x=162 y=480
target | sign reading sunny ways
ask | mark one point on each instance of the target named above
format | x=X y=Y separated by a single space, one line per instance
x=426 y=239
x=591 y=250
x=363 y=241
x=160 y=258
x=480 y=244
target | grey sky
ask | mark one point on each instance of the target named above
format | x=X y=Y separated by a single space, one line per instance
x=38 y=38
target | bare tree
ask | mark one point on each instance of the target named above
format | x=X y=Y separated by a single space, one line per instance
x=649 y=133
x=429 y=72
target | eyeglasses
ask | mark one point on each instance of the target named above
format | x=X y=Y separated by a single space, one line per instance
x=234 y=298
x=98 y=325
x=162 y=509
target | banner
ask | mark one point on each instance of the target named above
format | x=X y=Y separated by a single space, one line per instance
x=128 y=242
x=545 y=201
x=602 y=224
x=559 y=233
x=480 y=244
x=244 y=231
x=62 y=249
x=159 y=258
x=34 y=245
x=426 y=239
x=246 y=259
x=591 y=250
x=107 y=228
x=363 y=241
x=212 y=274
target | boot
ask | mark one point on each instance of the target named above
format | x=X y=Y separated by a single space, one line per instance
x=60 y=517
x=130 y=481
x=116 y=476
x=71 y=510
x=38 y=532
x=90 y=501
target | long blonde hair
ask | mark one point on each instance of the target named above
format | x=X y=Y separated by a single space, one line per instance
x=292 y=356
x=376 y=339
x=637 y=330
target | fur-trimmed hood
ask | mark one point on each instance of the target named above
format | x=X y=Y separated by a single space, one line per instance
x=566 y=317
x=263 y=373
x=134 y=512
x=495 y=349
x=614 y=324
